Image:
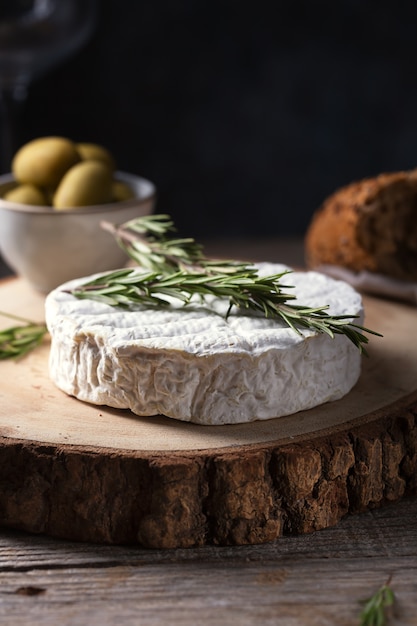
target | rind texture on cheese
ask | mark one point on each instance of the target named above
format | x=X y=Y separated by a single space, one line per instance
x=192 y=364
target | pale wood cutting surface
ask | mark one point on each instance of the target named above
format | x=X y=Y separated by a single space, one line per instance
x=45 y=414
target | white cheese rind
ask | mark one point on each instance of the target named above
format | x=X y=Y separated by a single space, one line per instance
x=193 y=364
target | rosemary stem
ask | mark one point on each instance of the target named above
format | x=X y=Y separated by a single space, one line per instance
x=18 y=318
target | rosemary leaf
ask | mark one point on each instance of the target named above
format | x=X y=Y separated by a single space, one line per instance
x=150 y=243
x=244 y=291
x=17 y=341
x=177 y=269
x=376 y=608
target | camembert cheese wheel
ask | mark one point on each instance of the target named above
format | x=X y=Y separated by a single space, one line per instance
x=192 y=364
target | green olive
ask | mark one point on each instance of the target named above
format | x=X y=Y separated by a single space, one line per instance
x=26 y=194
x=44 y=161
x=121 y=191
x=86 y=183
x=95 y=152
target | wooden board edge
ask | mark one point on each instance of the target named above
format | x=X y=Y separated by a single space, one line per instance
x=225 y=497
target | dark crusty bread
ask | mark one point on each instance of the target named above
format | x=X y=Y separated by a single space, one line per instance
x=368 y=225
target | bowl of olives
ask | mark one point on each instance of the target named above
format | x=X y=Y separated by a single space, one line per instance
x=53 y=203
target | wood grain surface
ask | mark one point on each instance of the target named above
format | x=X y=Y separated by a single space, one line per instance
x=72 y=470
x=308 y=580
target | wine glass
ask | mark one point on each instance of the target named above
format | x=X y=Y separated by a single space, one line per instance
x=35 y=35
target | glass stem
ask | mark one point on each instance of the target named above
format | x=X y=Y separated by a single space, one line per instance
x=12 y=100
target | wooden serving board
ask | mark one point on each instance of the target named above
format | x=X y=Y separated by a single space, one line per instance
x=90 y=473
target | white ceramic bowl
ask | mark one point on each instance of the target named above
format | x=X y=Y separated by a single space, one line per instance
x=48 y=247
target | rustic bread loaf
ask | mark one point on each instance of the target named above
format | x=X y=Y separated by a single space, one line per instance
x=370 y=225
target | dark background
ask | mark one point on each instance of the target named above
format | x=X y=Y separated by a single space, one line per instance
x=245 y=115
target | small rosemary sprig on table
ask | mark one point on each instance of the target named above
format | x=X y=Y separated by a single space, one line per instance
x=375 y=608
x=17 y=341
x=179 y=269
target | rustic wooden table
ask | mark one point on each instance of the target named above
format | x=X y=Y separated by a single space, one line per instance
x=310 y=580
x=313 y=579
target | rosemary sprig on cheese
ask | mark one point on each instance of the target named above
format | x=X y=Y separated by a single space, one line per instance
x=179 y=270
x=16 y=341
x=244 y=289
x=149 y=242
